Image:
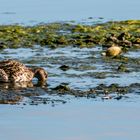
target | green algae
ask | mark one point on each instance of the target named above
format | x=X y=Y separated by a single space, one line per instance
x=64 y=34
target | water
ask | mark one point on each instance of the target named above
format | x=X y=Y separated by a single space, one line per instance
x=36 y=11
x=86 y=64
x=79 y=118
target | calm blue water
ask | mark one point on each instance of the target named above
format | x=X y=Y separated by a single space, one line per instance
x=80 y=120
x=36 y=11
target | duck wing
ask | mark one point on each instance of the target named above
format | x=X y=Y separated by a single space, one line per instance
x=10 y=63
x=21 y=75
x=11 y=66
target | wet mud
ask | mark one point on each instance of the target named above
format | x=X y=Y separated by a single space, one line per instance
x=38 y=95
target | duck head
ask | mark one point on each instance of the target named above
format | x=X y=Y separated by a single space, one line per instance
x=40 y=74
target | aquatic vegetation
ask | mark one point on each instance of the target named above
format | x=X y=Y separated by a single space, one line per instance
x=125 y=33
x=122 y=68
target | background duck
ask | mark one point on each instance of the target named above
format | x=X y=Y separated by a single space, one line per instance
x=113 y=51
x=15 y=71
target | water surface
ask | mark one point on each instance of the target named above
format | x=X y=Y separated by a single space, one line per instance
x=88 y=68
x=36 y=11
x=80 y=120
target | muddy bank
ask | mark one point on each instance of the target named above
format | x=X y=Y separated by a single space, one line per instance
x=45 y=95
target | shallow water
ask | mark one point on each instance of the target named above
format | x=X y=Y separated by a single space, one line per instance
x=87 y=67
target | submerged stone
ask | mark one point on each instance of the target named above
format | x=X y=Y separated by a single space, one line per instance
x=64 y=67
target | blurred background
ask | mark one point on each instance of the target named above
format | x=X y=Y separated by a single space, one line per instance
x=36 y=11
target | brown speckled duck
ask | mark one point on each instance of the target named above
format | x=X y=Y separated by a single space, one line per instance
x=14 y=71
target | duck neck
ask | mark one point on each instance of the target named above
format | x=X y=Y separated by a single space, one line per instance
x=39 y=75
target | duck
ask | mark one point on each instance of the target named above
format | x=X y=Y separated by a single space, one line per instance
x=113 y=51
x=13 y=71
